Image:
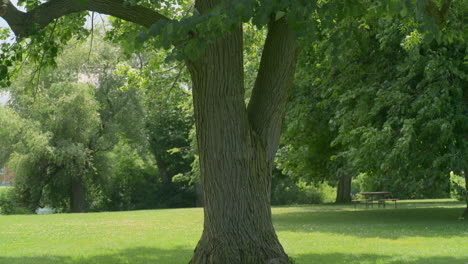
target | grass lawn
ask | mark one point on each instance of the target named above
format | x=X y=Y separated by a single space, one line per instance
x=3 y=189
x=425 y=232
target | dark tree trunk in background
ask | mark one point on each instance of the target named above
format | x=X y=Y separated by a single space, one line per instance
x=237 y=145
x=164 y=173
x=465 y=213
x=78 y=195
x=343 y=193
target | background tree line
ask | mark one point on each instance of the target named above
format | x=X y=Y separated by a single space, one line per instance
x=380 y=102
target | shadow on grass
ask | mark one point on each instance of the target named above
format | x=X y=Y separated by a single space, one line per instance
x=181 y=256
x=139 y=255
x=383 y=223
x=339 y=258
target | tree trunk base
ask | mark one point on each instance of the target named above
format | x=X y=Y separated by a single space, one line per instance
x=465 y=214
x=343 y=193
x=226 y=253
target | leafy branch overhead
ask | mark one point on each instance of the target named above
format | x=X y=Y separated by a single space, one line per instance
x=24 y=24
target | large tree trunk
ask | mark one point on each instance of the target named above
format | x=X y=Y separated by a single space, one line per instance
x=343 y=193
x=236 y=149
x=78 y=195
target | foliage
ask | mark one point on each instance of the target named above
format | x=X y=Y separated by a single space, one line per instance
x=167 y=101
x=43 y=171
x=458 y=187
x=10 y=132
x=9 y=203
x=137 y=112
x=130 y=182
x=286 y=190
x=385 y=96
x=79 y=121
x=6 y=201
x=306 y=150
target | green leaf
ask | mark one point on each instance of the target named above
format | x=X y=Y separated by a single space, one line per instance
x=279 y=15
x=174 y=150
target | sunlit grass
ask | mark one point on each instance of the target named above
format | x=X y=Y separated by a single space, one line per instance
x=417 y=232
x=4 y=189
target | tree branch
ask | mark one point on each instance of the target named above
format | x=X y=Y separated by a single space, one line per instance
x=439 y=15
x=268 y=102
x=24 y=24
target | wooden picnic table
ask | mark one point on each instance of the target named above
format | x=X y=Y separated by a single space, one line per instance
x=375 y=196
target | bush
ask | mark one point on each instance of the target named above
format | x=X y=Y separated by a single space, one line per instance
x=286 y=191
x=6 y=201
x=457 y=187
x=134 y=184
x=9 y=203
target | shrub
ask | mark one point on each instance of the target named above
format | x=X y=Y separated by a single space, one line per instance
x=457 y=187
x=9 y=203
x=6 y=201
x=287 y=191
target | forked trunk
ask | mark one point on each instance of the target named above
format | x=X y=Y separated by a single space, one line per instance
x=234 y=168
x=343 y=193
x=237 y=144
x=78 y=195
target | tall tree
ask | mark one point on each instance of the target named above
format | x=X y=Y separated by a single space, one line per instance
x=55 y=171
x=236 y=142
x=83 y=121
x=387 y=113
x=396 y=97
x=169 y=115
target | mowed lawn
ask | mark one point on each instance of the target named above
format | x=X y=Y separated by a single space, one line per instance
x=425 y=232
x=3 y=189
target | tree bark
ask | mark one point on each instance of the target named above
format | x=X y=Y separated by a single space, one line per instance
x=78 y=195
x=166 y=177
x=234 y=172
x=236 y=150
x=24 y=24
x=343 y=194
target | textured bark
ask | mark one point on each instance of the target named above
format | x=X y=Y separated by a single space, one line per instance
x=236 y=146
x=233 y=163
x=78 y=195
x=343 y=194
x=3 y=7
x=268 y=102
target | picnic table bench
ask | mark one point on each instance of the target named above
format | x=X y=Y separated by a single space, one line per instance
x=374 y=196
x=383 y=201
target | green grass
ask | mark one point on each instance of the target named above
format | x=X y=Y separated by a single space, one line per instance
x=425 y=232
x=4 y=189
